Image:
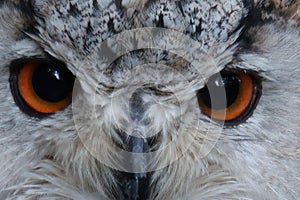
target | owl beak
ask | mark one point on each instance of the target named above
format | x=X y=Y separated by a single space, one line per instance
x=135 y=186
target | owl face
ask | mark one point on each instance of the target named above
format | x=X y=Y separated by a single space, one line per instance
x=149 y=99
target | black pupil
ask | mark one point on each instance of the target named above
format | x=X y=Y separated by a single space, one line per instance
x=227 y=84
x=52 y=83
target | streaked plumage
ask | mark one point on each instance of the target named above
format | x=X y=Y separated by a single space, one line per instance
x=146 y=92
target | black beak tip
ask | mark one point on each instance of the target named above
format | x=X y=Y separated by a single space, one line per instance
x=135 y=186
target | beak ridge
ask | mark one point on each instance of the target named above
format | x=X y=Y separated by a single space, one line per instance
x=136 y=186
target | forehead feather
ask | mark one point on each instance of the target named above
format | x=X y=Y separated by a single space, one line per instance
x=83 y=24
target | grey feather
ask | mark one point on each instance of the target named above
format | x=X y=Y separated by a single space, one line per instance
x=64 y=156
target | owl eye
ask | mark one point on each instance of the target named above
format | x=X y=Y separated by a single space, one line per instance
x=230 y=97
x=41 y=87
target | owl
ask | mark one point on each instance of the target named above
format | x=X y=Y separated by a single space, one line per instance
x=149 y=99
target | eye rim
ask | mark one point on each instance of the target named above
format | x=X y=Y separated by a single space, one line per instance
x=247 y=112
x=15 y=69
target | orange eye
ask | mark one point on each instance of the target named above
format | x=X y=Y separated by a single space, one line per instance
x=41 y=87
x=230 y=97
